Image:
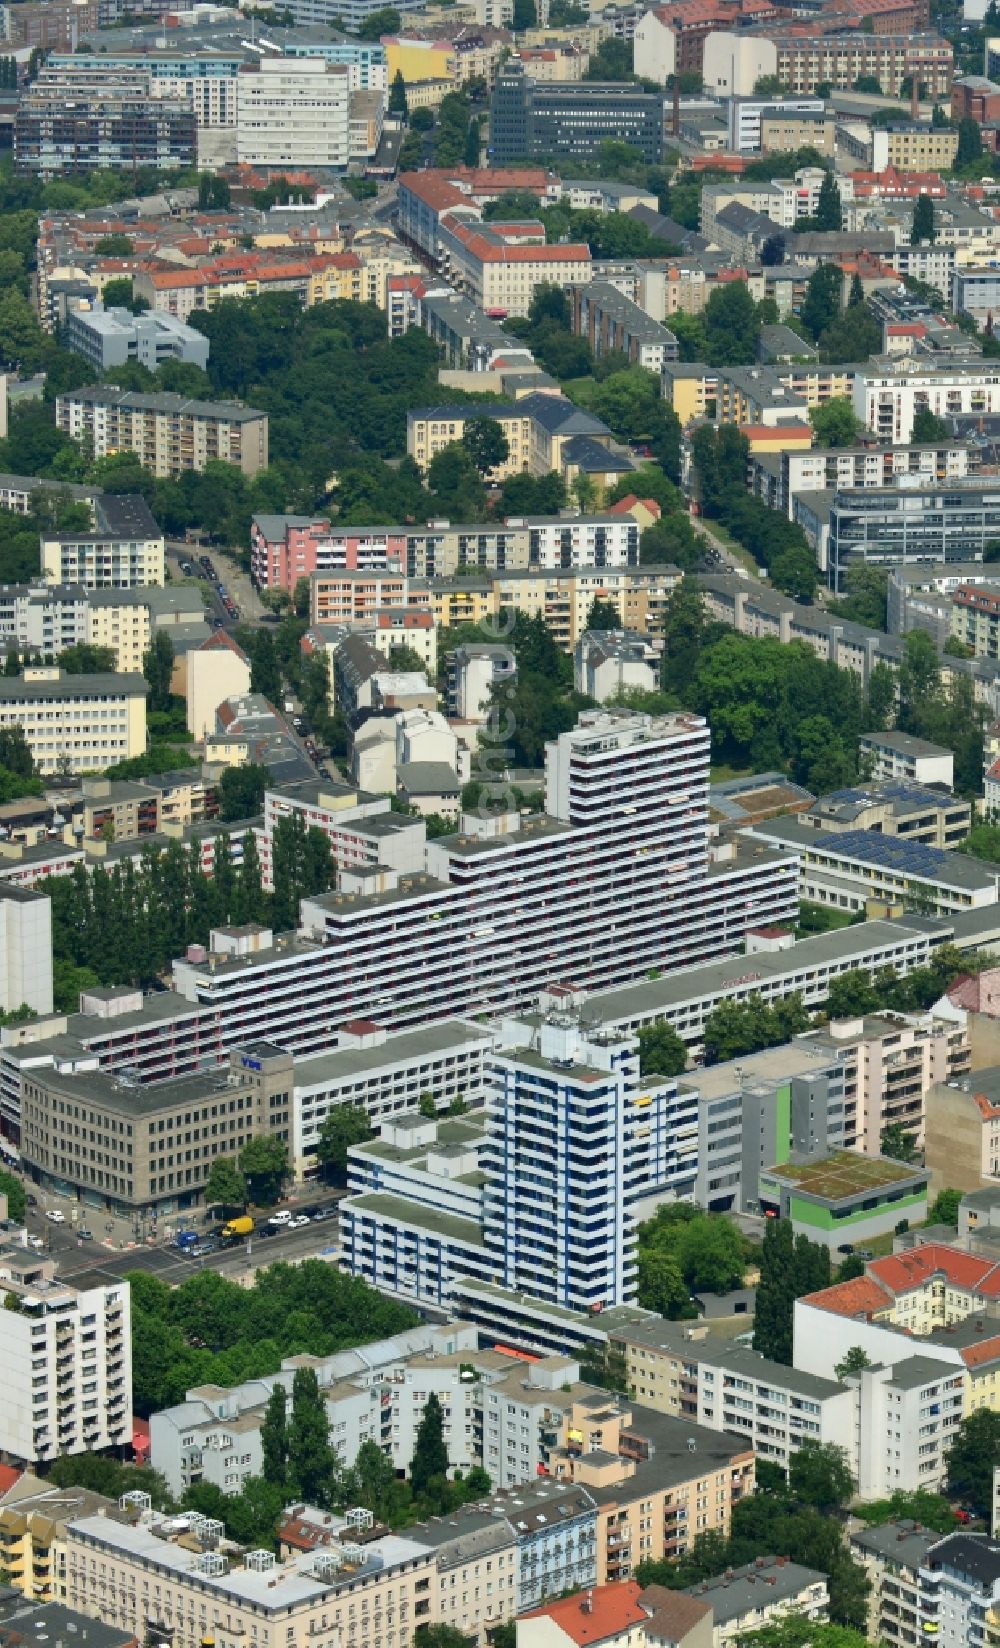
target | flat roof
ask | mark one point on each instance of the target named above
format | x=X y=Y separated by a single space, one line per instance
x=774 y=1064
x=844 y=1174
x=398 y=1211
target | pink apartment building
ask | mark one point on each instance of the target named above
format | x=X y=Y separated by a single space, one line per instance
x=285 y=548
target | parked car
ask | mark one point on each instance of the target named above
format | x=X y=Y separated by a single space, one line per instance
x=298 y=1221
x=57 y=1217
x=35 y=1241
x=32 y=1201
x=85 y=1233
x=282 y=1217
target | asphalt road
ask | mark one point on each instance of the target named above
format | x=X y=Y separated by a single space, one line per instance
x=105 y=1258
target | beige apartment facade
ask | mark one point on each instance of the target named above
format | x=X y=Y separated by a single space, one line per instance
x=141 y=1580
x=121 y=623
x=80 y=723
x=216 y=670
x=654 y=1496
x=168 y=433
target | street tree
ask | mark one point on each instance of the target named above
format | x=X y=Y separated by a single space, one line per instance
x=922 y=227
x=225 y=1186
x=854 y=1361
x=264 y=1162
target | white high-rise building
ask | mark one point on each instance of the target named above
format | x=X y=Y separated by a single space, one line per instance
x=25 y=950
x=293 y=111
x=613 y=882
x=65 y=1362
x=574 y=1139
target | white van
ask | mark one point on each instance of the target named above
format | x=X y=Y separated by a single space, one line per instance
x=282 y=1217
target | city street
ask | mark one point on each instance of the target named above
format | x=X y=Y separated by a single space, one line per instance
x=111 y=1251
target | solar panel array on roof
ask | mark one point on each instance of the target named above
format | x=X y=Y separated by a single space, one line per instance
x=911 y=857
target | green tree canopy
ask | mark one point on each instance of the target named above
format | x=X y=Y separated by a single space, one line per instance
x=343 y=1125
x=225 y=1186
x=975 y=1453
x=430 y=1454
x=264 y=1163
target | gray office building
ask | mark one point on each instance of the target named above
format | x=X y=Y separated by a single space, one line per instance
x=893 y=527
x=532 y=119
x=755 y=1112
x=112 y=337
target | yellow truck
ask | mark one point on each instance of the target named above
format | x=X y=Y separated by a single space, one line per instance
x=237 y=1228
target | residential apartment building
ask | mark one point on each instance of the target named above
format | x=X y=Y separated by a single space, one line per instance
x=197 y=1439
x=532 y=118
x=279 y=990
x=753 y=610
x=731 y=1388
x=122 y=1145
x=963 y=1130
x=760 y=1594
x=975 y=619
x=778 y=478
x=33 y=1520
x=168 y=433
x=500 y=266
x=672 y=39
x=363 y=1591
x=427 y=196
x=293 y=112
x=959 y=1590
x=900 y=756
x=204 y=79
x=892 y=1062
x=111 y=337
x=67 y=1362
x=126 y=552
x=607 y=663
x=891 y=1556
x=217 y=669
x=387 y=1076
x=611 y=322
x=285 y=548
x=120 y=128
x=544 y=432
x=313 y=276
x=653 y=1499
x=565 y=1236
x=83 y=722
x=888 y=394
x=57 y=25
x=354 y=597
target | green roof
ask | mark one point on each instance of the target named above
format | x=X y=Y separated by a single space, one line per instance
x=843 y=1174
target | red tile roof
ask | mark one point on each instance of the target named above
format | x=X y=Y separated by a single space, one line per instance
x=987 y=1350
x=903 y=1271
x=9 y=1474
x=861 y=1296
x=597 y=1615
